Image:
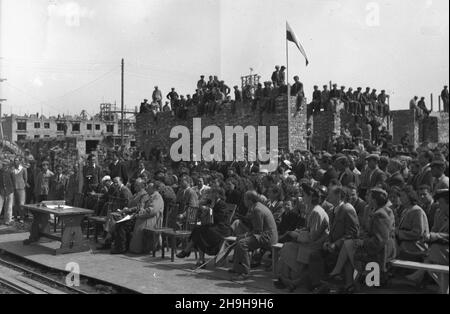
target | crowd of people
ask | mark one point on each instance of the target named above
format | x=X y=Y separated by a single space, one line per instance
x=335 y=210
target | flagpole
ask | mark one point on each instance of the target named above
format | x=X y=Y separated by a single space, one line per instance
x=287 y=65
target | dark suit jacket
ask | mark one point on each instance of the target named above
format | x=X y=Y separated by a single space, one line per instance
x=119 y=170
x=424 y=178
x=344 y=224
x=328 y=176
x=378 y=176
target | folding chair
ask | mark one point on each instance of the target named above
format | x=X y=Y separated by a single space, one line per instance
x=185 y=233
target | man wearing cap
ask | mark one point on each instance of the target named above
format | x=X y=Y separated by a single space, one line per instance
x=276 y=76
x=445 y=98
x=317 y=100
x=325 y=98
x=145 y=107
x=330 y=171
x=441 y=181
x=345 y=176
x=201 y=84
x=6 y=192
x=282 y=77
x=157 y=96
x=334 y=96
x=438 y=241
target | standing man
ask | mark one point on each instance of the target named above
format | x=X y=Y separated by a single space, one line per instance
x=157 y=97
x=276 y=76
x=317 y=100
x=118 y=169
x=91 y=175
x=445 y=98
x=441 y=181
x=6 y=192
x=20 y=175
x=325 y=97
x=58 y=184
x=201 y=84
x=357 y=97
x=42 y=184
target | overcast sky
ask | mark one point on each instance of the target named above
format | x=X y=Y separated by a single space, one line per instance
x=64 y=56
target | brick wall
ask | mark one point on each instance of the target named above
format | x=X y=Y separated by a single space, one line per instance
x=291 y=125
x=405 y=121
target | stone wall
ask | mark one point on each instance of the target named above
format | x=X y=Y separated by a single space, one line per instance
x=405 y=121
x=155 y=133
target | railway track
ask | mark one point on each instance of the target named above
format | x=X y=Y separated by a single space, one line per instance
x=23 y=280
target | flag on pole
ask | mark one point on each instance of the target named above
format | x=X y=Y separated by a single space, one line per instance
x=293 y=38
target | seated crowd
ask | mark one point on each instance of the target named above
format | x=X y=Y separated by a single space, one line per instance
x=334 y=210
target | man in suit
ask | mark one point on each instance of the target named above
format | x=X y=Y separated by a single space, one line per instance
x=344 y=225
x=376 y=175
x=58 y=184
x=92 y=175
x=330 y=171
x=118 y=169
x=297 y=88
x=121 y=191
x=425 y=177
x=441 y=181
x=263 y=234
x=345 y=175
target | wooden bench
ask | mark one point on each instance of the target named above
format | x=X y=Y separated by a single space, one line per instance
x=440 y=270
x=276 y=248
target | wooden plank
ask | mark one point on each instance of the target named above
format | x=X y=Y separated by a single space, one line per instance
x=231 y=239
x=421 y=266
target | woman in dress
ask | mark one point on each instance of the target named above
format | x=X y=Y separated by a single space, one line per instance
x=294 y=257
x=208 y=238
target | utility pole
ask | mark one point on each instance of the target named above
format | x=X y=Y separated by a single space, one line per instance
x=1 y=114
x=122 y=104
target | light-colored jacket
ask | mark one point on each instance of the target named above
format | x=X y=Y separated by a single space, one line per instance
x=149 y=215
x=20 y=177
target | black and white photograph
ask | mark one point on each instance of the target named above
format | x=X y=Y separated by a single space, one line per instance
x=224 y=153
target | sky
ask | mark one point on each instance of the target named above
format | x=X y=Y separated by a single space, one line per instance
x=63 y=56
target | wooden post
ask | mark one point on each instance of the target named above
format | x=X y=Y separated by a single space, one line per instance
x=122 y=105
x=431 y=99
x=439 y=103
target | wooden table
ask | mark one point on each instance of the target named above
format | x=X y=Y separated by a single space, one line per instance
x=71 y=234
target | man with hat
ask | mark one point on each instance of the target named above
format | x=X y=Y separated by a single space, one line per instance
x=282 y=78
x=145 y=107
x=441 y=181
x=357 y=97
x=334 y=96
x=382 y=100
x=326 y=164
